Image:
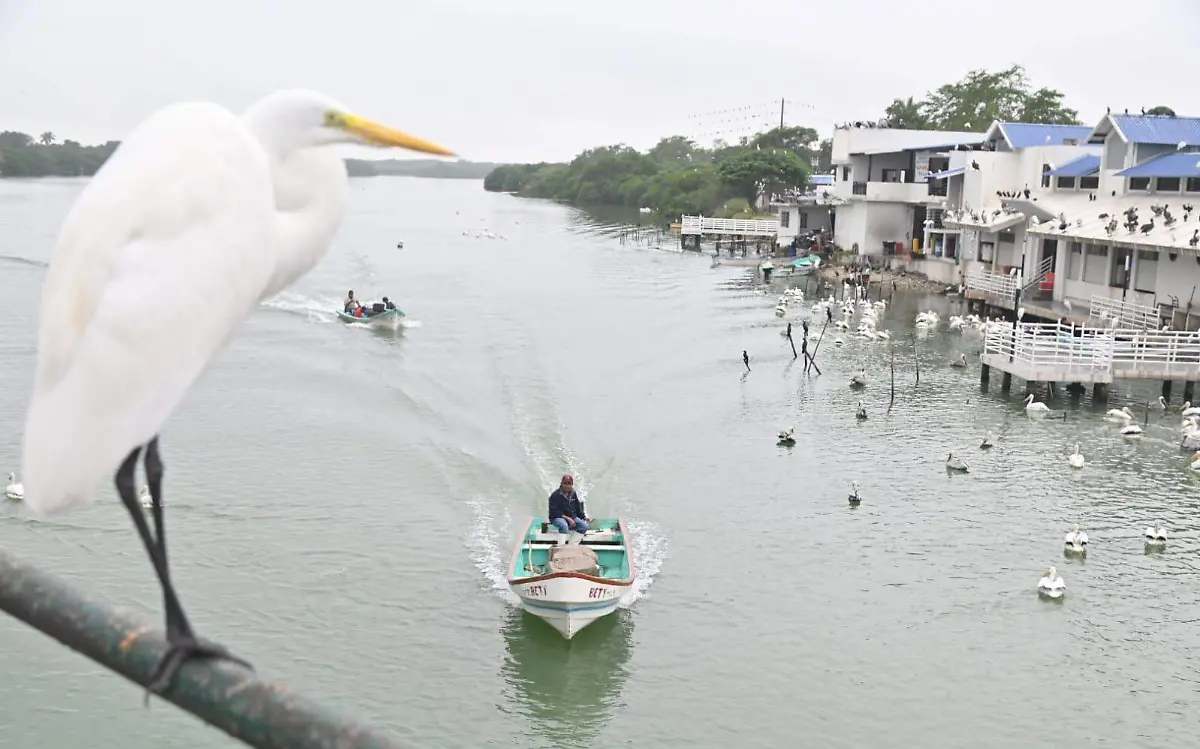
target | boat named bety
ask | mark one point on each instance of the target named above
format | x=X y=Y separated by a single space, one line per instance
x=568 y=579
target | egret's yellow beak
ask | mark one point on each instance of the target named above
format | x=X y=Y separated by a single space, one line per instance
x=379 y=135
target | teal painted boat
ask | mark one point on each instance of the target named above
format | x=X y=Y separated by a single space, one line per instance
x=392 y=315
x=568 y=579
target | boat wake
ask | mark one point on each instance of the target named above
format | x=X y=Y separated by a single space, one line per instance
x=315 y=310
x=489 y=542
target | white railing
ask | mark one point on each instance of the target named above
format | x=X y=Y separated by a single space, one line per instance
x=1052 y=346
x=1164 y=351
x=996 y=284
x=1128 y=314
x=748 y=227
x=1040 y=272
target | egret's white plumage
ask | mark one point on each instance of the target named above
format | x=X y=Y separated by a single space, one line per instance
x=1075 y=459
x=193 y=220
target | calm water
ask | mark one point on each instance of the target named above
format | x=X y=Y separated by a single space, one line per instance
x=342 y=503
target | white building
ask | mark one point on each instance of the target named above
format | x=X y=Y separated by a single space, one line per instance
x=808 y=211
x=880 y=174
x=1071 y=233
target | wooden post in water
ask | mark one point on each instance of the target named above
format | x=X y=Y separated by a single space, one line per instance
x=916 y=359
x=892 y=351
x=259 y=714
x=793 y=343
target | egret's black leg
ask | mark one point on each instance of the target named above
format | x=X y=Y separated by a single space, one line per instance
x=182 y=642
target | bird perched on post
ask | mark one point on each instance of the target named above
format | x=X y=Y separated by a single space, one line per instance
x=198 y=216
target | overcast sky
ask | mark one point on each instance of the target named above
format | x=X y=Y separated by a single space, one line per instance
x=543 y=79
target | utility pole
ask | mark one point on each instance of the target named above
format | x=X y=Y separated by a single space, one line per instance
x=781 y=103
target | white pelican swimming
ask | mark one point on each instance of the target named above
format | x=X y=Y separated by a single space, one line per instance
x=1160 y=403
x=987 y=442
x=956 y=464
x=960 y=362
x=787 y=436
x=1119 y=414
x=1131 y=430
x=855 y=500
x=1051 y=586
x=1034 y=408
x=861 y=414
x=14 y=490
x=1189 y=410
x=859 y=380
x=1075 y=541
x=198 y=216
x=1075 y=459
x=1156 y=535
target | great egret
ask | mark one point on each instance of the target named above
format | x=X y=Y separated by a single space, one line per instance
x=196 y=217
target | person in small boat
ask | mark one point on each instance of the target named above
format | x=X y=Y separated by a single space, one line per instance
x=388 y=303
x=351 y=304
x=566 y=508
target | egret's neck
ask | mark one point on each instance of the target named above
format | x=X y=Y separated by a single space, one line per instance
x=311 y=190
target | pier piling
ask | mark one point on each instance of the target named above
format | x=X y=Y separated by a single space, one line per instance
x=1166 y=390
x=985 y=373
x=1188 y=388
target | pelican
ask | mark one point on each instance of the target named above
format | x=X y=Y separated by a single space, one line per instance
x=1032 y=407
x=14 y=490
x=199 y=215
x=1161 y=403
x=960 y=362
x=859 y=380
x=855 y=500
x=1075 y=459
x=1075 y=542
x=861 y=414
x=1156 y=535
x=1119 y=414
x=956 y=464
x=787 y=437
x=987 y=442
x=1131 y=430
x=1189 y=410
x=1051 y=586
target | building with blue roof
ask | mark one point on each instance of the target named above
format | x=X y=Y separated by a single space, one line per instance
x=1013 y=136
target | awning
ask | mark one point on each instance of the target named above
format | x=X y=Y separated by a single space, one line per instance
x=1002 y=222
x=1181 y=164
x=1084 y=166
x=947 y=173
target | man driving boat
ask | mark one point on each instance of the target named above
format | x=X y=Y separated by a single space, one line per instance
x=566 y=508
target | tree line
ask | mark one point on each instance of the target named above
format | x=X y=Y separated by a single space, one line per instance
x=677 y=176
x=22 y=155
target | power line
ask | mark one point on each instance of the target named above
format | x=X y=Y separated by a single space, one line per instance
x=748 y=119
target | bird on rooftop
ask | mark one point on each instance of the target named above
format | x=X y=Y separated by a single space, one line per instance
x=198 y=215
x=1195 y=240
x=1147 y=228
x=974 y=164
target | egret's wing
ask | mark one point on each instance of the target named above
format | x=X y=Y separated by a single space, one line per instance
x=163 y=254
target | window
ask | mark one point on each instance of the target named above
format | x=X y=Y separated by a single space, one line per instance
x=1139 y=183
x=1146 y=273
x=785 y=218
x=803 y=219
x=1122 y=262
x=1006 y=236
x=1094 y=269
x=987 y=251
x=1089 y=183
x=1045 y=175
x=1193 y=184
x=845 y=174
x=1075 y=262
x=1065 y=183
x=1167 y=184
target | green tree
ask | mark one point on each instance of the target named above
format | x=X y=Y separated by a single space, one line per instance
x=47 y=138
x=749 y=173
x=1161 y=110
x=825 y=156
x=982 y=96
x=906 y=114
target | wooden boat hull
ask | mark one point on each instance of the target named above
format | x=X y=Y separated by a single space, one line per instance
x=392 y=316
x=570 y=601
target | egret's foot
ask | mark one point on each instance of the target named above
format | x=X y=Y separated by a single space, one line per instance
x=181 y=649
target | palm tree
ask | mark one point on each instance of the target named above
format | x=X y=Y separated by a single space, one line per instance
x=907 y=114
x=47 y=138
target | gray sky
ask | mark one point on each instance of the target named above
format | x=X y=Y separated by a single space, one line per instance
x=543 y=79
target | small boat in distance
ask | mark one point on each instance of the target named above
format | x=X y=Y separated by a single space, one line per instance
x=568 y=579
x=375 y=314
